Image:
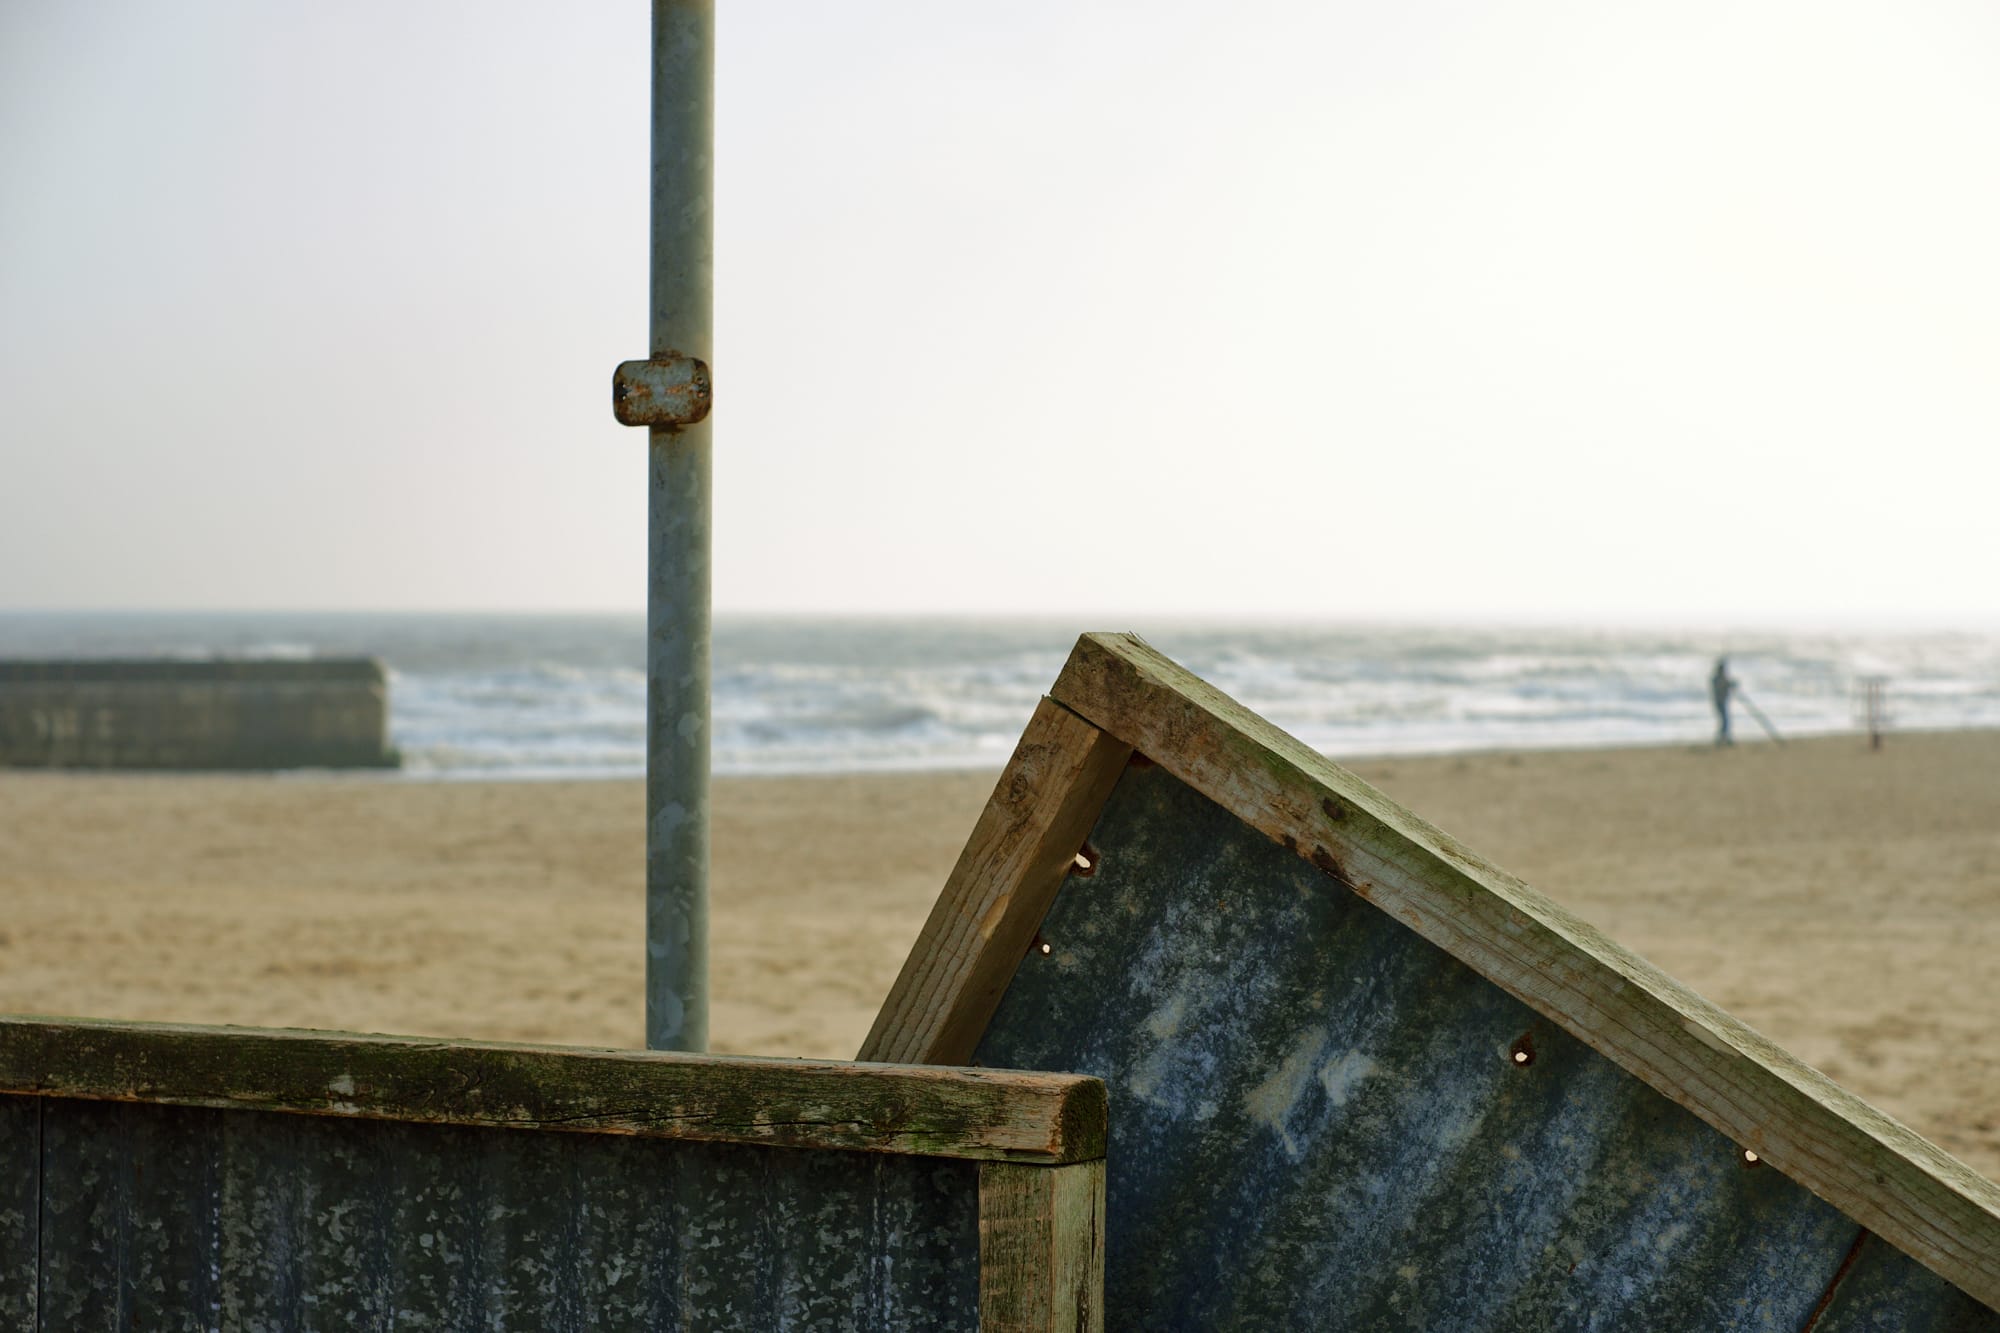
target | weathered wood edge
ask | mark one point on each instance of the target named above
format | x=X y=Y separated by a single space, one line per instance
x=1880 y=1172
x=981 y=1114
x=1041 y=1248
x=984 y=921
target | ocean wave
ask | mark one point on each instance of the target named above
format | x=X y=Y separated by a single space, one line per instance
x=493 y=696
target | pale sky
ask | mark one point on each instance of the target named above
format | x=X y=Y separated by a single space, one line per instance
x=1337 y=310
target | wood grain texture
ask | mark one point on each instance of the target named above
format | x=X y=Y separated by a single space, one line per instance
x=1017 y=857
x=1878 y=1171
x=976 y=1114
x=1041 y=1248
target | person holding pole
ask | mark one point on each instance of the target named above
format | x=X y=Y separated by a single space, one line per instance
x=1722 y=688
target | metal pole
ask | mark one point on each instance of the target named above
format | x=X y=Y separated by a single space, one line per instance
x=677 y=590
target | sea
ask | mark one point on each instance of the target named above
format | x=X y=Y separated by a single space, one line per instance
x=539 y=696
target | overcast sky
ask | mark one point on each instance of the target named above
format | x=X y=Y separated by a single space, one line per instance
x=1526 y=310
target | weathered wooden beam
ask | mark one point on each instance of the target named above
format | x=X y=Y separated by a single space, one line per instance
x=1876 y=1170
x=988 y=1115
x=1041 y=1248
x=1024 y=844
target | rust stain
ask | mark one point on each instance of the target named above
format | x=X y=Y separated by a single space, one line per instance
x=1833 y=1286
x=666 y=392
x=1334 y=809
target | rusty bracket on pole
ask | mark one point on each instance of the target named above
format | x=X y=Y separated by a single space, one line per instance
x=665 y=391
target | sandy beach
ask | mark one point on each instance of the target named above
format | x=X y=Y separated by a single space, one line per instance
x=1841 y=901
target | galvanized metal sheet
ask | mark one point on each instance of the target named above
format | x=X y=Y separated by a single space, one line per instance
x=1321 y=1120
x=169 y=1218
x=129 y=1211
x=20 y=1210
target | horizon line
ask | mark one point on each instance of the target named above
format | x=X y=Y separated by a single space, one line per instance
x=1103 y=619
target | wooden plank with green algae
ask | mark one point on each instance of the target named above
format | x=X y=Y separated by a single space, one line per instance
x=974 y=1114
x=1319 y=1118
x=168 y=1217
x=1041 y=1248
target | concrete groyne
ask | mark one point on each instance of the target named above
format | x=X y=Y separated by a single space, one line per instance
x=145 y=714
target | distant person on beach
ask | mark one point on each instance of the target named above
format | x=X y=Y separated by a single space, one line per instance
x=1720 y=685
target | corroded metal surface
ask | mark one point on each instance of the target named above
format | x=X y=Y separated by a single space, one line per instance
x=667 y=391
x=168 y=1218
x=1321 y=1120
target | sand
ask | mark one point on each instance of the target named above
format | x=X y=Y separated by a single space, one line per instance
x=1846 y=903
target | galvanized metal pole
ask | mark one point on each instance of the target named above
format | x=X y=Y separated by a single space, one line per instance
x=677 y=593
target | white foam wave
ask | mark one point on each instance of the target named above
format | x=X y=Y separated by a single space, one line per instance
x=550 y=696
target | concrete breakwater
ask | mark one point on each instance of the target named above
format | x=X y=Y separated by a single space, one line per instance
x=224 y=714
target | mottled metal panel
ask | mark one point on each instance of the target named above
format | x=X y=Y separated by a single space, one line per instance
x=301 y=1205
x=835 y=1245
x=1321 y=1120
x=297 y=1222
x=20 y=1209
x=371 y=1225
x=888 y=1225
x=1886 y=1291
x=129 y=1217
